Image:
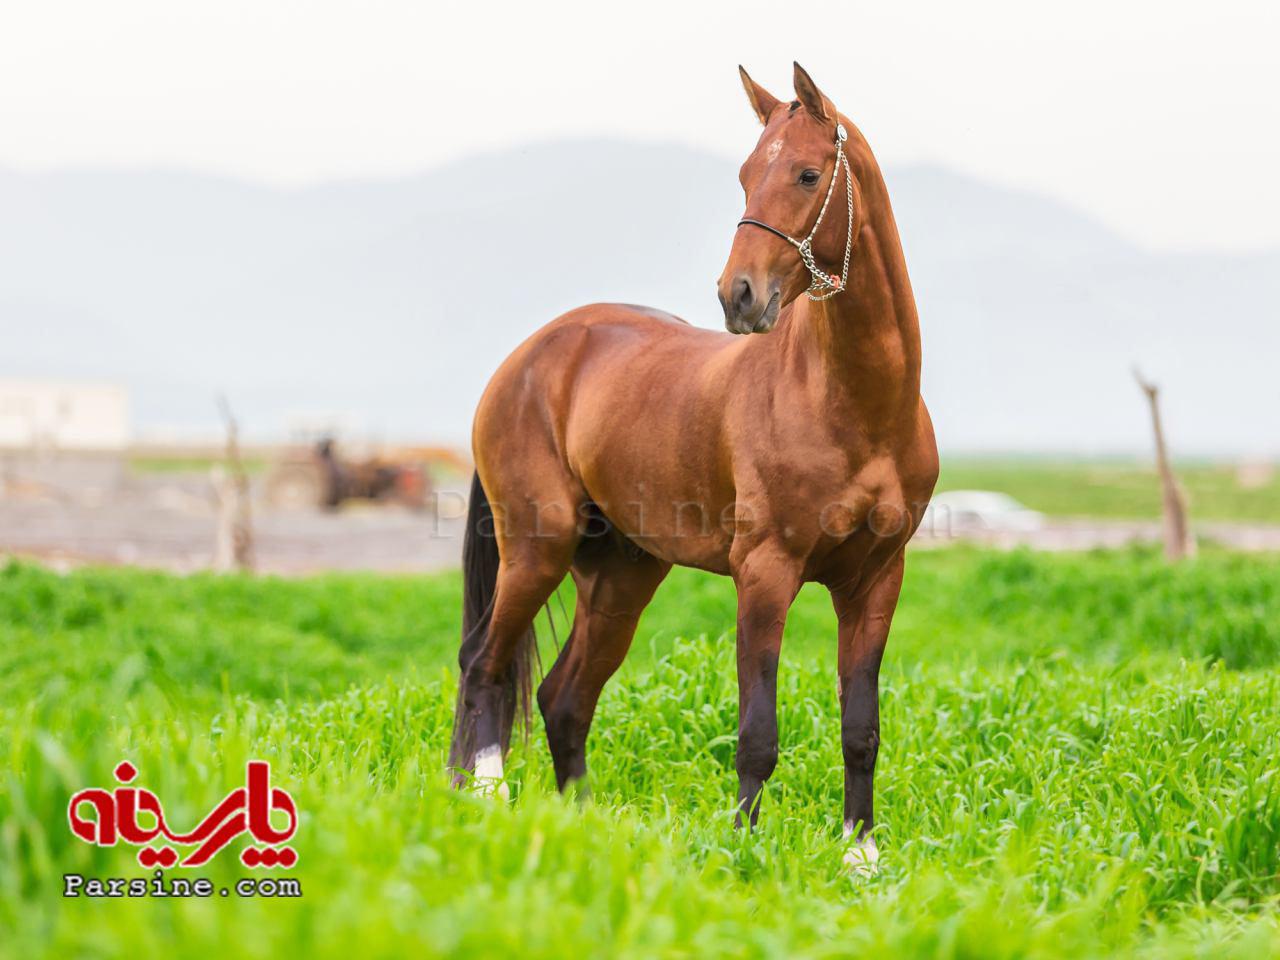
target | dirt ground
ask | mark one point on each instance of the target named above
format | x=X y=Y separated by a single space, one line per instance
x=107 y=513
x=69 y=513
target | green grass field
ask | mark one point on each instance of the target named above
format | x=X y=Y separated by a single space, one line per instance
x=1079 y=759
x=1115 y=489
x=1118 y=489
x=192 y=464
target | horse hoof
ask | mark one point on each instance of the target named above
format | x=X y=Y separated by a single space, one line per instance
x=489 y=781
x=863 y=858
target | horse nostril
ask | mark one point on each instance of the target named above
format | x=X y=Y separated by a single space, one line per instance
x=743 y=296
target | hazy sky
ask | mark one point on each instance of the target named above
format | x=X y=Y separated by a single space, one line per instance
x=1159 y=118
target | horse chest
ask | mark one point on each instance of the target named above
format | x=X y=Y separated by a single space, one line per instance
x=825 y=504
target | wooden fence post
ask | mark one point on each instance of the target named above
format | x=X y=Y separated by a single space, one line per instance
x=1179 y=542
x=234 y=545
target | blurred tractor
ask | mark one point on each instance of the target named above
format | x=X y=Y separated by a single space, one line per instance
x=317 y=476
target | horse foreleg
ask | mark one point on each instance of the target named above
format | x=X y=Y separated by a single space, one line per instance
x=864 y=629
x=767 y=583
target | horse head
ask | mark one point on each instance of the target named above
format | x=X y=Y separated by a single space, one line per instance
x=803 y=207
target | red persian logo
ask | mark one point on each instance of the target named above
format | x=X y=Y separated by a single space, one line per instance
x=245 y=809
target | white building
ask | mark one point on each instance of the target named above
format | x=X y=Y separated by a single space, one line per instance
x=53 y=415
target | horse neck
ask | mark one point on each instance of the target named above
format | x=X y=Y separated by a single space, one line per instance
x=865 y=341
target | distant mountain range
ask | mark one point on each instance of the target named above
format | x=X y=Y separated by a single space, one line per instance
x=392 y=301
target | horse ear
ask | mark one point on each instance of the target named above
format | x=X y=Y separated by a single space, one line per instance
x=762 y=101
x=811 y=97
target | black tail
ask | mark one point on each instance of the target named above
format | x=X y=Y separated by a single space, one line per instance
x=479 y=579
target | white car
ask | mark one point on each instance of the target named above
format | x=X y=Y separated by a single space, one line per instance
x=958 y=512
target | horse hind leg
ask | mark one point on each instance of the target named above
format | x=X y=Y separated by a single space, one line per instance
x=511 y=568
x=615 y=582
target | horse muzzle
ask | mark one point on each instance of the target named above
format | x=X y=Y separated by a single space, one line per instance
x=745 y=311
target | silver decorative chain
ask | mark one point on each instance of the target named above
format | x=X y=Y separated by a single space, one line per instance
x=825 y=285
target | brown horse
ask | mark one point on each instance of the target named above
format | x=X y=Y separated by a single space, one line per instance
x=618 y=440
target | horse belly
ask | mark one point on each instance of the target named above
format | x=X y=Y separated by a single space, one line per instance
x=652 y=468
x=660 y=491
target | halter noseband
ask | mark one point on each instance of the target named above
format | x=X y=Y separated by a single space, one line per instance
x=823 y=285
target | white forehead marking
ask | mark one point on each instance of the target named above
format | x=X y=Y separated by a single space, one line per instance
x=775 y=148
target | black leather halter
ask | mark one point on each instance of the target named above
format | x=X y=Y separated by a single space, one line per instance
x=760 y=223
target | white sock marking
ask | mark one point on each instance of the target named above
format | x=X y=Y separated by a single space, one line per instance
x=863 y=856
x=489 y=773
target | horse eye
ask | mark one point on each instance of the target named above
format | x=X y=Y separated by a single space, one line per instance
x=810 y=177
